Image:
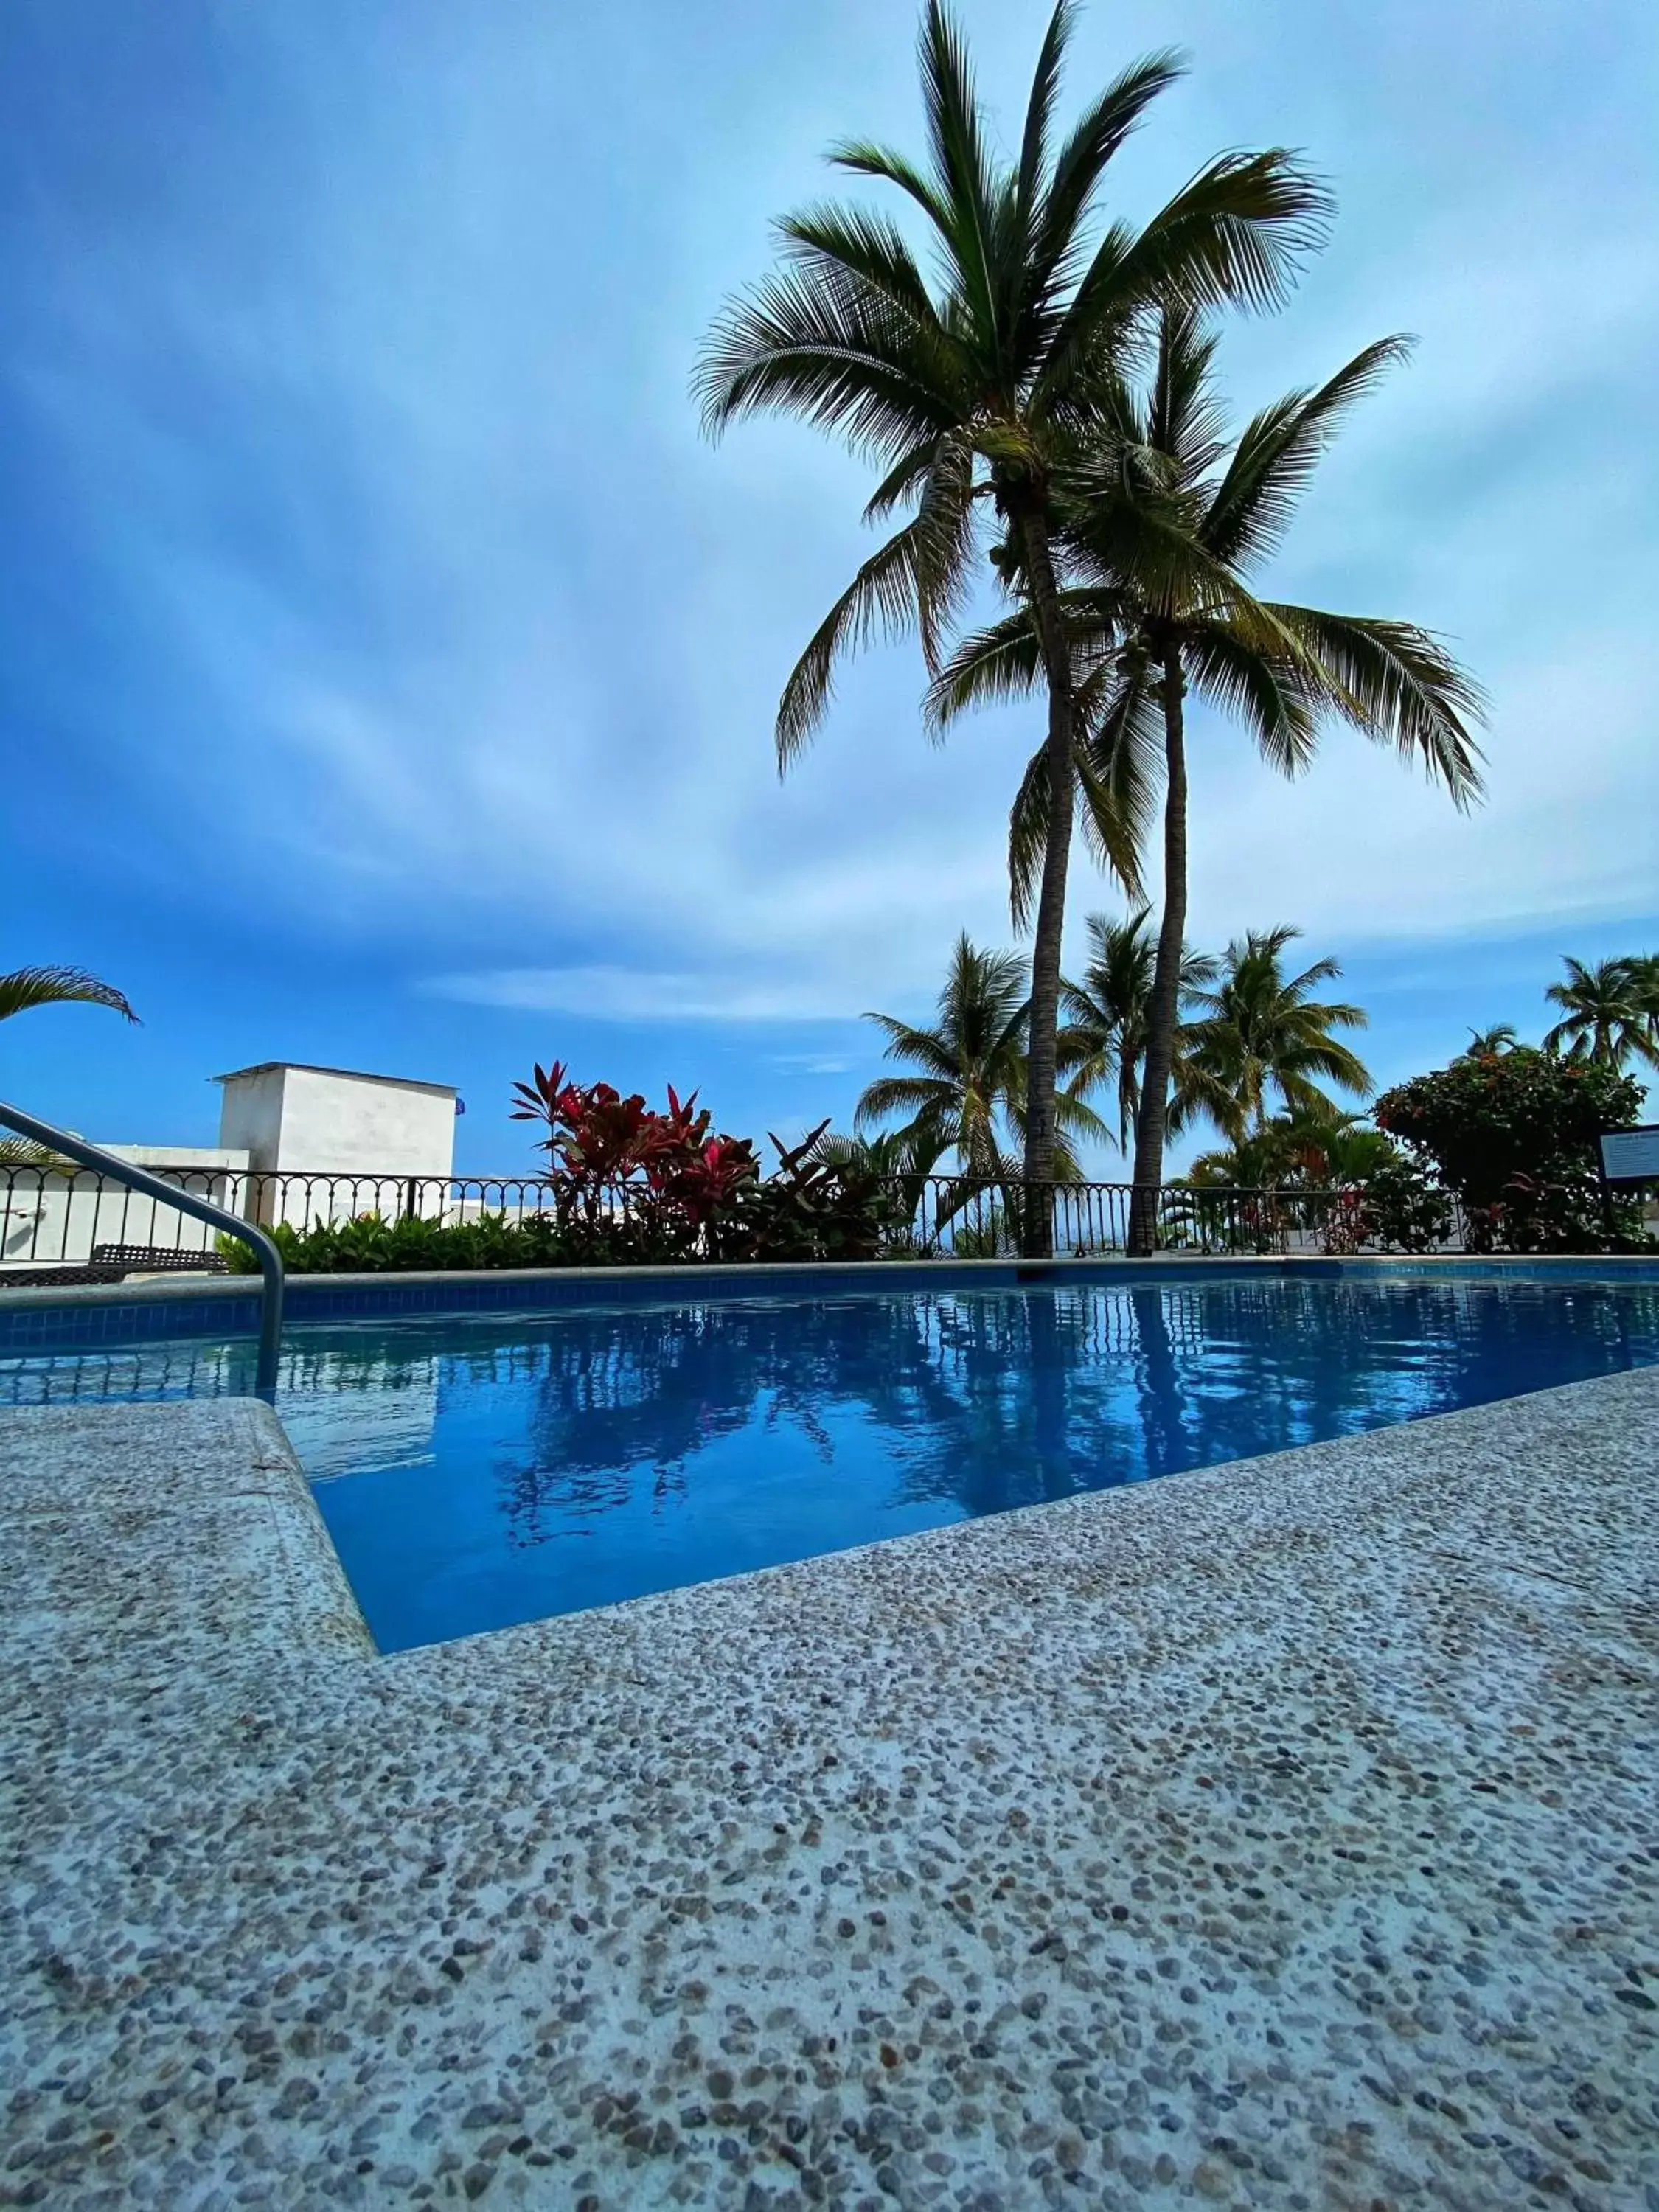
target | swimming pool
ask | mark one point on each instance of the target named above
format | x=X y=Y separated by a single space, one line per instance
x=476 y=1470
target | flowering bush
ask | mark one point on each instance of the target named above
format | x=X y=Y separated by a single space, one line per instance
x=1513 y=1136
x=627 y=1182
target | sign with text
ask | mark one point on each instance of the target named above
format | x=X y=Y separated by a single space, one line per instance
x=1630 y=1155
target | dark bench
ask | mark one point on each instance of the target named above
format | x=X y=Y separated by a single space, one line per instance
x=149 y=1259
x=112 y=1263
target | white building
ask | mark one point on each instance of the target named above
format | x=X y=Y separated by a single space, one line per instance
x=342 y=1142
x=359 y=1143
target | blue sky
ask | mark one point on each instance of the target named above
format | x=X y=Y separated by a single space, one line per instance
x=387 y=666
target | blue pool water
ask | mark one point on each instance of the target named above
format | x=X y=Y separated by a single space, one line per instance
x=479 y=1470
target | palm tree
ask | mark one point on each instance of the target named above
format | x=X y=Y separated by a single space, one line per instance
x=1645 y=974
x=1490 y=1044
x=1314 y=1151
x=1607 y=1013
x=1161 y=527
x=26 y=988
x=969 y=1085
x=962 y=391
x=1104 y=1039
x=1262 y=1032
x=1645 y=967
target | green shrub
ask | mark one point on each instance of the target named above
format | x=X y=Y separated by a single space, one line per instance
x=1513 y=1136
x=807 y=1211
x=1401 y=1208
x=367 y=1245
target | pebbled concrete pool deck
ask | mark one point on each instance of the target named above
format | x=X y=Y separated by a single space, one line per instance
x=1285 y=1834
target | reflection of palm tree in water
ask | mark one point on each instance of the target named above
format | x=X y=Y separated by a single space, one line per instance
x=1158 y=1383
x=993 y=1399
x=943 y=1378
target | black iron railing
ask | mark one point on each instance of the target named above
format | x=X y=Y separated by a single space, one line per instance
x=210 y=1218
x=58 y=1216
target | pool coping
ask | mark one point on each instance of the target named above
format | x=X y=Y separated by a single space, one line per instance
x=183 y=1285
x=1089 y=1845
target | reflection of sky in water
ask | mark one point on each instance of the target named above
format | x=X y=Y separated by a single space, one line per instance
x=496 y=1468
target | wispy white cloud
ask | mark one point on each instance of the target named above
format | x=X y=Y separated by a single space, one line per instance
x=641 y=994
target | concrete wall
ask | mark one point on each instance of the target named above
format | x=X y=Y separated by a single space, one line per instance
x=347 y=1123
x=251 y=1115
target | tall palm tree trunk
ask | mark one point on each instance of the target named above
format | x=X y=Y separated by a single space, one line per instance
x=1037 y=1227
x=1166 y=1007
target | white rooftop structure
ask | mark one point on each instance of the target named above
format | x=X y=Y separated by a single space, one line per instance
x=289 y=1116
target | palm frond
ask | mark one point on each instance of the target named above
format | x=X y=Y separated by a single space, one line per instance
x=924 y=1047
x=1039 y=112
x=1055 y=222
x=1235 y=235
x=900 y=482
x=852 y=243
x=961 y=163
x=25 y=989
x=837 y=353
x=880 y=601
x=1399 y=685
x=944 y=539
x=899 y=1094
x=1119 y=760
x=1265 y=693
x=1002 y=662
x=1279 y=451
x=863 y=157
x=1185 y=416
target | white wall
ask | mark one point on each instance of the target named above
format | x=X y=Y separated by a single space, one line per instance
x=375 y=1131
x=251 y=1115
x=347 y=1123
x=48 y=1219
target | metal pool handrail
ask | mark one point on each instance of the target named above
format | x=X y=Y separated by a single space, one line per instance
x=200 y=1209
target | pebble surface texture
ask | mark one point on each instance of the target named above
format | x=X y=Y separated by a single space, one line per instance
x=1281 y=1835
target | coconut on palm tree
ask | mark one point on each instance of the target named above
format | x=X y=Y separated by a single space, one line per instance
x=1607 y=1013
x=1259 y=1034
x=1161 y=528
x=962 y=390
x=1103 y=1043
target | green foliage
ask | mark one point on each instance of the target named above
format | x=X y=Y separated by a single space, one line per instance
x=809 y=1209
x=369 y=1244
x=960 y=379
x=966 y=1095
x=1305 y=1151
x=1401 y=1208
x=1513 y=1137
x=26 y=988
x=1259 y=1031
x=1609 y=1013
x=962 y=391
x=1108 y=1015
